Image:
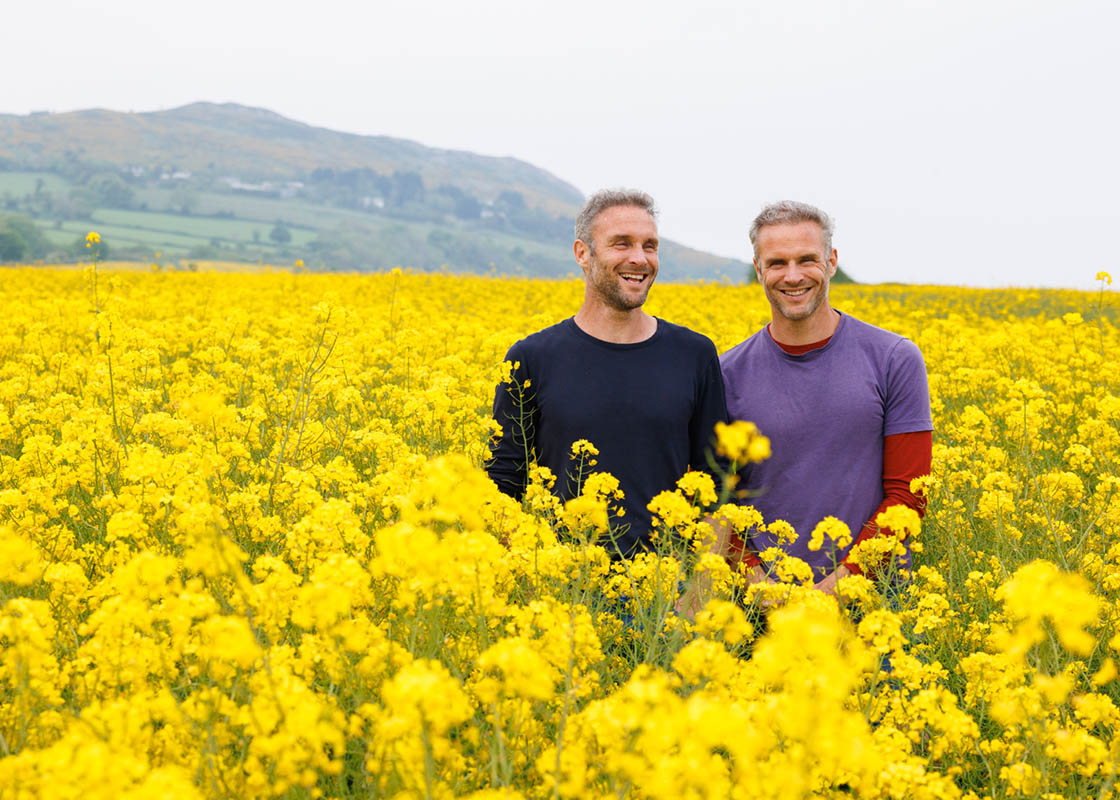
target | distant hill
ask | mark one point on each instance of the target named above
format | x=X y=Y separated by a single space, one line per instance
x=254 y=145
x=231 y=182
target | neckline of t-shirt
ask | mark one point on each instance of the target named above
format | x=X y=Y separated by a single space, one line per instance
x=800 y=349
x=580 y=332
x=811 y=354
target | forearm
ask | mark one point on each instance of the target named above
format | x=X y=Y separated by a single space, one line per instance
x=512 y=452
x=697 y=589
x=739 y=554
x=905 y=456
x=733 y=547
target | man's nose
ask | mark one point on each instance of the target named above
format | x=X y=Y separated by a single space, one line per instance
x=794 y=273
x=638 y=255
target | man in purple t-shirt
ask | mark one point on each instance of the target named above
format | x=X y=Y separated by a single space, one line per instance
x=844 y=404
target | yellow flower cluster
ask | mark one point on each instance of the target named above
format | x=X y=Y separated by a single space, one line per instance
x=247 y=550
x=740 y=441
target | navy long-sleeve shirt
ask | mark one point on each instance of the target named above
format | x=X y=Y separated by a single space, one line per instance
x=649 y=408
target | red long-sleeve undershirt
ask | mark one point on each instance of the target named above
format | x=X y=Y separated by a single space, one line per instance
x=905 y=456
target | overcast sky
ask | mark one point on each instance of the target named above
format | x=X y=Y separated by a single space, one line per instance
x=953 y=142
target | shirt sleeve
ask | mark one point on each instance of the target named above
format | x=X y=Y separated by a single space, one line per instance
x=515 y=410
x=906 y=402
x=905 y=456
x=711 y=407
x=737 y=552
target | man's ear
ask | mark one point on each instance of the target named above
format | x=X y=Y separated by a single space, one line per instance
x=583 y=254
x=757 y=271
x=833 y=261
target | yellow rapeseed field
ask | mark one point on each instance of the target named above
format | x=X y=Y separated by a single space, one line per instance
x=247 y=550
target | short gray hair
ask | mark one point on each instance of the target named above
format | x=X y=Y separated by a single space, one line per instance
x=791 y=212
x=609 y=198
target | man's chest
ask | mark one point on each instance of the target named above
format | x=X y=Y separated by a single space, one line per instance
x=624 y=392
x=796 y=402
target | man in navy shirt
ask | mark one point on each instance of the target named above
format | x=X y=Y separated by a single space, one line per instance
x=645 y=392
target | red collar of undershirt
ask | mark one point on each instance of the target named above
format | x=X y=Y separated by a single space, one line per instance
x=798 y=349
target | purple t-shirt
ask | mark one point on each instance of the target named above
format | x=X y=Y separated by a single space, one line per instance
x=826 y=413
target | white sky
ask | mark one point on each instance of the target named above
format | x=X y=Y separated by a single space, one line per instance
x=970 y=142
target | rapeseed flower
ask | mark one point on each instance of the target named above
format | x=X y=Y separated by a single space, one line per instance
x=247 y=549
x=741 y=442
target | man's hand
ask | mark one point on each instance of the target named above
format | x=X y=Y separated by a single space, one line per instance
x=757 y=575
x=828 y=583
x=698 y=588
x=692 y=598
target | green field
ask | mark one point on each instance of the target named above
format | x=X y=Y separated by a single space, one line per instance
x=127 y=235
x=171 y=233
x=222 y=225
x=264 y=211
x=236 y=226
x=260 y=211
x=23 y=183
x=165 y=182
x=195 y=228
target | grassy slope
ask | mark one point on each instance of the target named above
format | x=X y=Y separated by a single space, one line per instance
x=255 y=144
x=174 y=234
x=21 y=183
x=204 y=228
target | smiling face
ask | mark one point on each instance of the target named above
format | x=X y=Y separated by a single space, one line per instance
x=794 y=268
x=622 y=263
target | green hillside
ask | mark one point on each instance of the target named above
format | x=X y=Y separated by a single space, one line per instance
x=231 y=182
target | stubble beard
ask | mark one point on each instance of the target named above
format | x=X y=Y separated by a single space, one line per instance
x=798 y=316
x=605 y=282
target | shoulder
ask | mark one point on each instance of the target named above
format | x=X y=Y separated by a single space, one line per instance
x=894 y=360
x=683 y=349
x=680 y=336
x=865 y=331
x=743 y=350
x=888 y=344
x=541 y=342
